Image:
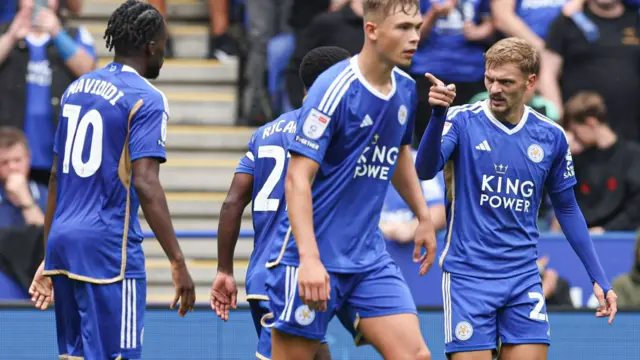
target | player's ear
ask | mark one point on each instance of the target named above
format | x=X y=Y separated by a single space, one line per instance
x=531 y=81
x=150 y=48
x=370 y=30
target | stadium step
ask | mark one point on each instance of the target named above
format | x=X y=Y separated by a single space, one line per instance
x=189 y=40
x=199 y=248
x=192 y=71
x=164 y=293
x=202 y=271
x=196 y=223
x=208 y=138
x=204 y=204
x=176 y=9
x=197 y=175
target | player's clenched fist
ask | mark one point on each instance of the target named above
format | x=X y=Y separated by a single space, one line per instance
x=439 y=94
x=314 y=284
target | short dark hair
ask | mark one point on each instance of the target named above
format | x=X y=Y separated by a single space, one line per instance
x=318 y=60
x=11 y=136
x=583 y=105
x=133 y=25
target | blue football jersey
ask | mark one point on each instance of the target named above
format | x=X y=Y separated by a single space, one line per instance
x=496 y=174
x=266 y=161
x=354 y=132
x=109 y=118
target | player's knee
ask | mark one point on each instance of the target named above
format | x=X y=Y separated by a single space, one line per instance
x=323 y=352
x=422 y=354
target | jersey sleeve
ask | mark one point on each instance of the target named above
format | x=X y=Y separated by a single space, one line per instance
x=450 y=134
x=87 y=42
x=247 y=162
x=562 y=175
x=149 y=132
x=319 y=119
x=407 y=139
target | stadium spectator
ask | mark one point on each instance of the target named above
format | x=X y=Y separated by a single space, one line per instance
x=22 y=202
x=453 y=40
x=608 y=168
x=611 y=62
x=38 y=60
x=222 y=46
x=556 y=290
x=526 y=19
x=627 y=286
x=343 y=28
x=304 y=11
x=267 y=18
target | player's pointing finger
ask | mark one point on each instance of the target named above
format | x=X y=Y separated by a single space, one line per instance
x=434 y=80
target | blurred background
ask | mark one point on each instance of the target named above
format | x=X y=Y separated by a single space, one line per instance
x=232 y=65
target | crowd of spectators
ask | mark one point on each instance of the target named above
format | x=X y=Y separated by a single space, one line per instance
x=589 y=82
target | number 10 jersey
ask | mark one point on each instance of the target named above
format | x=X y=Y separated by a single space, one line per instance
x=109 y=118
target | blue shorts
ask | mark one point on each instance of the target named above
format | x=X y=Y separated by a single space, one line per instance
x=377 y=292
x=480 y=312
x=262 y=320
x=99 y=321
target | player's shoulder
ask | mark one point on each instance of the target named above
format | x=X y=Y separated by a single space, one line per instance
x=536 y=119
x=336 y=76
x=461 y=114
x=403 y=79
x=278 y=131
x=151 y=96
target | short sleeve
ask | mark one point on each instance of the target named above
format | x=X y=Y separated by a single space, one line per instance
x=87 y=42
x=319 y=119
x=56 y=139
x=562 y=175
x=148 y=132
x=247 y=162
x=555 y=35
x=407 y=139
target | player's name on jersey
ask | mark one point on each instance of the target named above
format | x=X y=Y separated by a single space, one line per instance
x=96 y=87
x=500 y=191
x=278 y=127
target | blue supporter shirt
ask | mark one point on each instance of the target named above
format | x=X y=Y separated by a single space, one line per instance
x=539 y=14
x=38 y=127
x=355 y=133
x=266 y=161
x=10 y=215
x=110 y=118
x=499 y=173
x=446 y=52
x=8 y=10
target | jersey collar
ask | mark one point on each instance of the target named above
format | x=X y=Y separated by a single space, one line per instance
x=499 y=124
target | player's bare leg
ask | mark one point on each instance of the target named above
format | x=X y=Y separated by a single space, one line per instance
x=524 y=352
x=396 y=337
x=472 y=355
x=323 y=352
x=290 y=347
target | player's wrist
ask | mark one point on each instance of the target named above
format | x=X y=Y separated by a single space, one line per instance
x=308 y=254
x=178 y=262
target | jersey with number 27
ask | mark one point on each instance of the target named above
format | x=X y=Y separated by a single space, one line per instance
x=109 y=118
x=267 y=161
x=499 y=172
x=354 y=132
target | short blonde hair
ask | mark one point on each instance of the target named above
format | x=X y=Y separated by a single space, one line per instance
x=514 y=51
x=385 y=7
x=10 y=136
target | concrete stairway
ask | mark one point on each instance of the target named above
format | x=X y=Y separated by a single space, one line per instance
x=203 y=145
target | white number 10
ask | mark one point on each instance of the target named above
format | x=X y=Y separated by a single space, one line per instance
x=76 y=137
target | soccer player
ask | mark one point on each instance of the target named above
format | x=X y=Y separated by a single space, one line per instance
x=108 y=148
x=353 y=137
x=260 y=177
x=498 y=156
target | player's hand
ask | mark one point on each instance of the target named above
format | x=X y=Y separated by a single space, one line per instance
x=41 y=289
x=425 y=238
x=314 y=286
x=185 y=289
x=608 y=306
x=224 y=293
x=439 y=94
x=21 y=24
